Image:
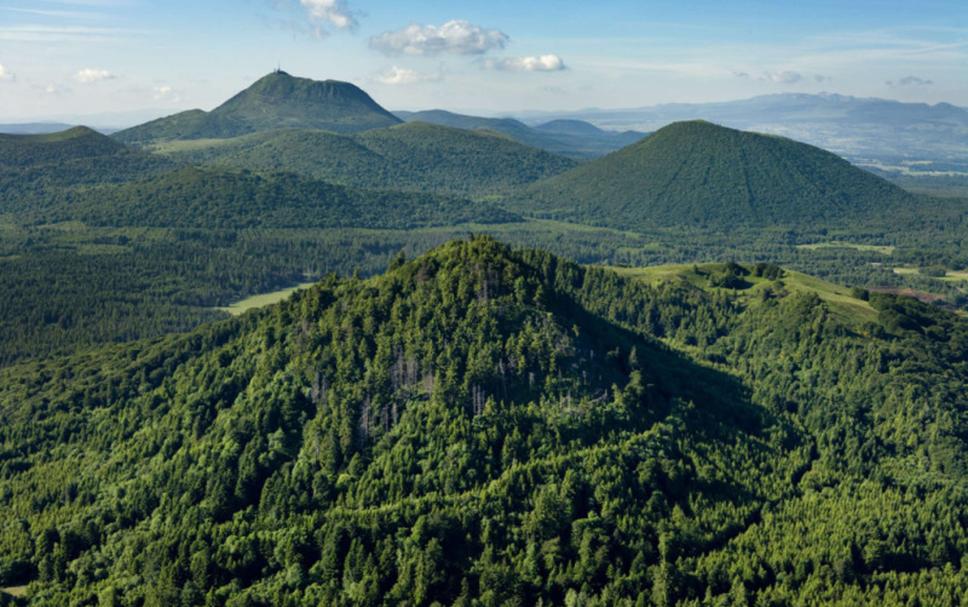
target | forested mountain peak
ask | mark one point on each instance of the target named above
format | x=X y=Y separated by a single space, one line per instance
x=483 y=425
x=275 y=101
x=292 y=97
x=699 y=173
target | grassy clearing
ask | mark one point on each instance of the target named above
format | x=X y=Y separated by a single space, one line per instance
x=840 y=244
x=839 y=298
x=903 y=271
x=90 y=248
x=956 y=276
x=17 y=591
x=65 y=226
x=262 y=300
x=665 y=273
x=190 y=145
x=950 y=276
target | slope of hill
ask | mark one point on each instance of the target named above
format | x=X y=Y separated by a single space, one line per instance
x=19 y=151
x=33 y=167
x=487 y=426
x=276 y=101
x=214 y=199
x=572 y=138
x=697 y=173
x=411 y=157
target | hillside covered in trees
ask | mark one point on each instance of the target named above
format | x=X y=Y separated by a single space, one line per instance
x=275 y=101
x=411 y=157
x=205 y=198
x=490 y=426
x=698 y=174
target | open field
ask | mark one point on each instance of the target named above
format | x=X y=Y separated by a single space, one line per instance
x=839 y=297
x=190 y=145
x=16 y=591
x=263 y=299
x=961 y=276
x=950 y=276
x=839 y=244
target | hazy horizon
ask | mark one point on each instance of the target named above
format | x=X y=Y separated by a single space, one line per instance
x=128 y=118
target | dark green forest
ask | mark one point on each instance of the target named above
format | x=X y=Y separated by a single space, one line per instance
x=488 y=426
x=413 y=157
x=700 y=174
x=191 y=197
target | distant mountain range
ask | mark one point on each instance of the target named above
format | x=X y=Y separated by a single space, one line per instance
x=690 y=173
x=858 y=128
x=879 y=134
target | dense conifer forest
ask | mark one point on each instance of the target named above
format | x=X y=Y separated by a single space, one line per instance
x=491 y=426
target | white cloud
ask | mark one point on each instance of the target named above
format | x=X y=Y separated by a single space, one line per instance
x=784 y=77
x=457 y=37
x=165 y=92
x=90 y=76
x=539 y=63
x=401 y=75
x=333 y=13
x=5 y=73
x=910 y=81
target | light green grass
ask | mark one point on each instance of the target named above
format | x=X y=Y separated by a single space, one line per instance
x=950 y=276
x=906 y=271
x=190 y=145
x=838 y=296
x=665 y=273
x=842 y=304
x=262 y=300
x=17 y=591
x=956 y=276
x=65 y=226
x=840 y=244
x=93 y=248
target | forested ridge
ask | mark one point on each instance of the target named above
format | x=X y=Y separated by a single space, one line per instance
x=412 y=157
x=494 y=426
x=213 y=199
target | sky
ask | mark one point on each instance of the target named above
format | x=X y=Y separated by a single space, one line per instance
x=125 y=60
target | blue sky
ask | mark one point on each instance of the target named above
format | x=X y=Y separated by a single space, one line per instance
x=77 y=57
